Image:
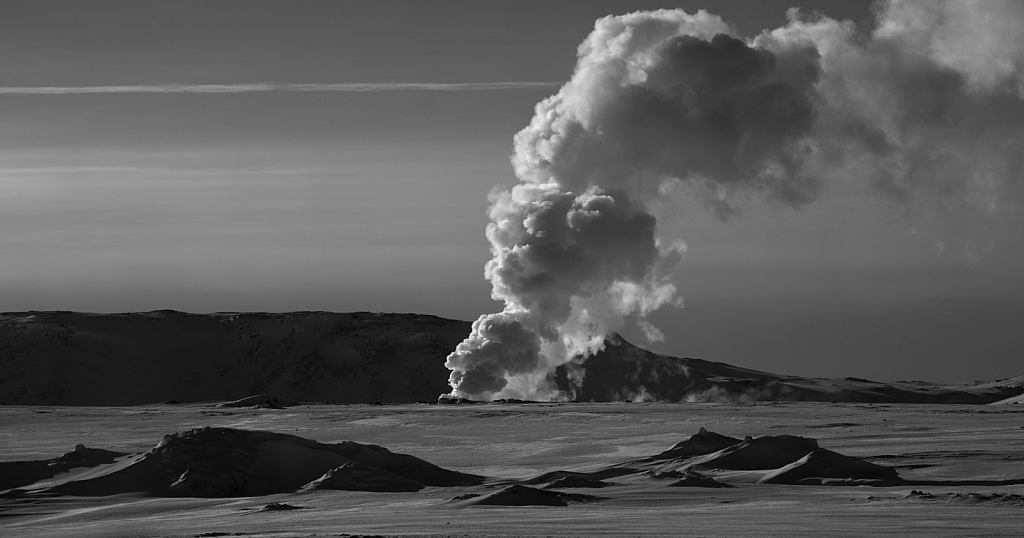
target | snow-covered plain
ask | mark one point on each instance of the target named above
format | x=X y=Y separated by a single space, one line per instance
x=963 y=466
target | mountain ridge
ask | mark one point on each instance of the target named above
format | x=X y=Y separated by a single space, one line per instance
x=74 y=358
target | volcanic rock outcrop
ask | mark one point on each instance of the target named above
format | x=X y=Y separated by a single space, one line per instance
x=826 y=467
x=703 y=442
x=15 y=474
x=227 y=462
x=518 y=495
x=771 y=459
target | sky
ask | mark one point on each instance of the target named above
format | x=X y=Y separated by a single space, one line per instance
x=339 y=196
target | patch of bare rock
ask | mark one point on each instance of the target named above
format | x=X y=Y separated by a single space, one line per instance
x=704 y=442
x=278 y=507
x=519 y=495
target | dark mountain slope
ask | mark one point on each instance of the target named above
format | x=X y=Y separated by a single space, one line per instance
x=70 y=358
x=126 y=359
x=626 y=372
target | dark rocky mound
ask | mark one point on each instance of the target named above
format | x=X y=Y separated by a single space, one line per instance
x=821 y=465
x=919 y=495
x=15 y=474
x=767 y=452
x=278 y=507
x=226 y=462
x=704 y=442
x=354 y=476
x=776 y=459
x=698 y=481
x=575 y=482
x=780 y=459
x=517 y=495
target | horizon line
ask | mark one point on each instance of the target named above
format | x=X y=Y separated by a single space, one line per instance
x=278 y=87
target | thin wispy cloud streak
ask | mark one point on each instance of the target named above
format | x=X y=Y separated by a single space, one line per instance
x=75 y=170
x=276 y=87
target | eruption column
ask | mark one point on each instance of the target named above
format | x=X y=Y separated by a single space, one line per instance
x=665 y=99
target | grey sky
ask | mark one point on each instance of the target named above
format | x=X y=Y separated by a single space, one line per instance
x=375 y=200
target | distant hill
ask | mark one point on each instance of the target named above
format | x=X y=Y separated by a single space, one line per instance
x=626 y=372
x=73 y=358
x=70 y=358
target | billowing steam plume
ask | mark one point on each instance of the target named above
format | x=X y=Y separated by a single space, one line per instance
x=927 y=106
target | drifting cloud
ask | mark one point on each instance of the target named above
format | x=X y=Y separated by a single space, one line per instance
x=274 y=87
x=927 y=108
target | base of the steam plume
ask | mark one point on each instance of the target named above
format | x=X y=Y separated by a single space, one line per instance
x=450 y=399
x=623 y=372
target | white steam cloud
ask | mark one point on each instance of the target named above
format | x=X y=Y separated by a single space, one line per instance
x=928 y=106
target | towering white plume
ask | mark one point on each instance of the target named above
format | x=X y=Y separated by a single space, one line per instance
x=927 y=106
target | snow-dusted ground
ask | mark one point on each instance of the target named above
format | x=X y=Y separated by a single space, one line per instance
x=952 y=445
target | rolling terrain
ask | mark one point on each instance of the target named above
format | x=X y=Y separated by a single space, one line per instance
x=513 y=469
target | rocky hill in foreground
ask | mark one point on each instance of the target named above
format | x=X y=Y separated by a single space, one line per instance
x=70 y=358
